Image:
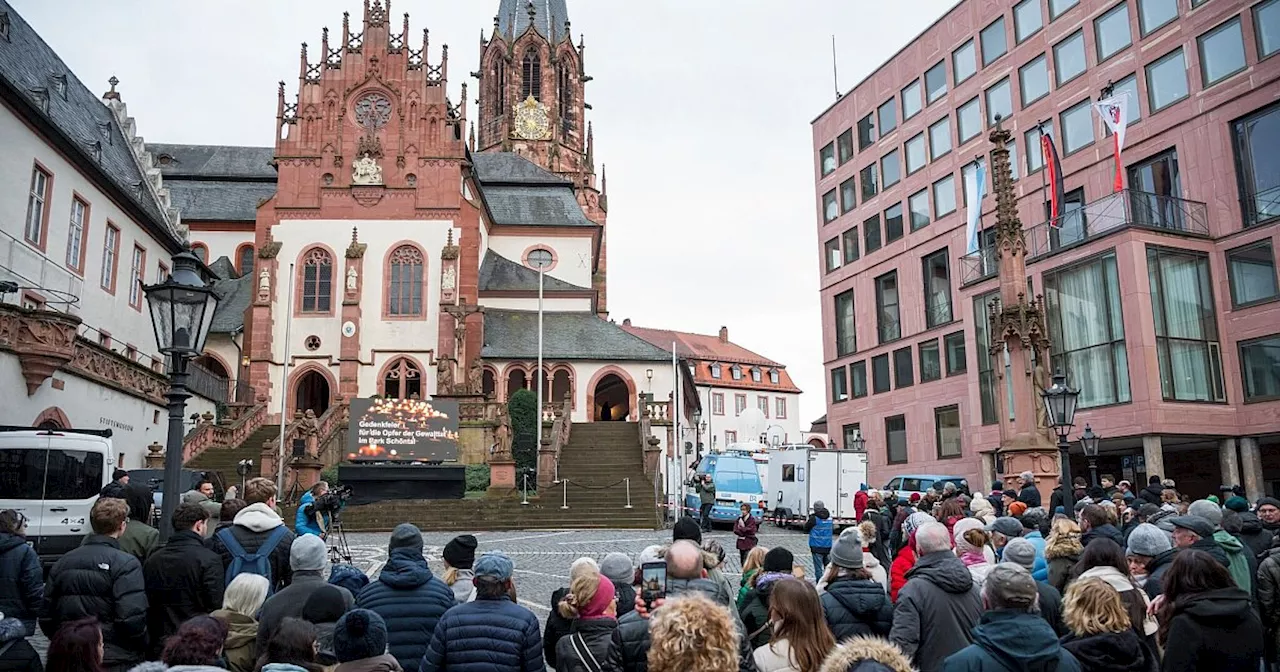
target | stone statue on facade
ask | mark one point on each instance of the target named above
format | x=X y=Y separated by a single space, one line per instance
x=501 y=436
x=308 y=429
x=264 y=284
x=448 y=279
x=459 y=336
x=1040 y=379
x=366 y=171
x=444 y=375
x=475 y=377
x=351 y=279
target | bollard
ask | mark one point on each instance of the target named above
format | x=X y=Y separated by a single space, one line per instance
x=565 y=494
x=525 y=500
x=628 y=480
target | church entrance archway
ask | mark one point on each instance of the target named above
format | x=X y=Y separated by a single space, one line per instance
x=612 y=399
x=312 y=393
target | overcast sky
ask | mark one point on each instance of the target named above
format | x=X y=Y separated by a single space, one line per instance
x=701 y=113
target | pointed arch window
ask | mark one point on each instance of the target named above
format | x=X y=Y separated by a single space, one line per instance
x=245 y=262
x=531 y=75
x=500 y=88
x=317 y=281
x=564 y=75
x=402 y=380
x=405 y=284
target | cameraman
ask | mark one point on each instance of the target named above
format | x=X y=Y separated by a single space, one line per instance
x=311 y=518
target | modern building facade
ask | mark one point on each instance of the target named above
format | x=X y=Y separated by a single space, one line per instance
x=1162 y=299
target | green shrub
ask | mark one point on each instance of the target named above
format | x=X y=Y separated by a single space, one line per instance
x=477 y=477
x=523 y=411
x=330 y=476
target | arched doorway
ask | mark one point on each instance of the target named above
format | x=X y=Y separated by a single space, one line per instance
x=561 y=385
x=516 y=380
x=612 y=399
x=489 y=383
x=312 y=393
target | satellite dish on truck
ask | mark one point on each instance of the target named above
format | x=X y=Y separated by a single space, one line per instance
x=753 y=423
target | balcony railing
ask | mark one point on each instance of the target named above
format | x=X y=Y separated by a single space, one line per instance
x=59 y=288
x=208 y=384
x=889 y=327
x=1114 y=211
x=1262 y=206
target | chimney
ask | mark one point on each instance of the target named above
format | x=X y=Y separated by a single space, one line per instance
x=626 y=322
x=724 y=334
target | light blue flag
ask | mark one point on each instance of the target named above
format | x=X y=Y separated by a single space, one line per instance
x=974 y=189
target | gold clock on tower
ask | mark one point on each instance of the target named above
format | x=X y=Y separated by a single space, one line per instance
x=532 y=122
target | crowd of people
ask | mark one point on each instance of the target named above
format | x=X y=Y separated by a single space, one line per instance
x=947 y=581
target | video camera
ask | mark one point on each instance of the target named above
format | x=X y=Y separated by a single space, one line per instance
x=332 y=502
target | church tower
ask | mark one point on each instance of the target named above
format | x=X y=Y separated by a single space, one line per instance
x=532 y=103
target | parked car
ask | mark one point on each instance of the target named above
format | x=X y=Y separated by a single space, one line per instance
x=906 y=484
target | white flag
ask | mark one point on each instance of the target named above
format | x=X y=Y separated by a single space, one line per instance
x=1115 y=114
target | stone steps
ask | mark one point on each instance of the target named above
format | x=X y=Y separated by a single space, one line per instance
x=490 y=515
x=225 y=460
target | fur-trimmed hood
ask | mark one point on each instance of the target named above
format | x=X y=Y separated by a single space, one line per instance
x=1063 y=546
x=866 y=654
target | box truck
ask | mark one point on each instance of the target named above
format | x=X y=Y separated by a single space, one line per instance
x=800 y=475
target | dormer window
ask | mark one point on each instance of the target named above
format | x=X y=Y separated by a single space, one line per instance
x=755 y=374
x=715 y=370
x=736 y=371
x=773 y=376
x=59 y=83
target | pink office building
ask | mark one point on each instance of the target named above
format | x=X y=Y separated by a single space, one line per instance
x=1162 y=299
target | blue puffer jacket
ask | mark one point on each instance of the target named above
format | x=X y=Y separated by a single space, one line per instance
x=1040 y=570
x=410 y=600
x=304 y=521
x=483 y=636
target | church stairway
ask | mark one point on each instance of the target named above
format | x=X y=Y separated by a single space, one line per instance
x=225 y=459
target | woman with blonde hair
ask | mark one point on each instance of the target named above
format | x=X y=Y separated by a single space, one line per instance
x=1102 y=637
x=692 y=633
x=240 y=604
x=592 y=609
x=459 y=554
x=800 y=639
x=750 y=568
x=560 y=622
x=1062 y=550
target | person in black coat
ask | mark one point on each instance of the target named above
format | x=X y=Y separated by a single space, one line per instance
x=1096 y=525
x=853 y=602
x=408 y=597
x=1151 y=494
x=183 y=578
x=99 y=580
x=21 y=578
x=560 y=621
x=1206 y=622
x=16 y=654
x=585 y=648
x=1099 y=633
x=1029 y=494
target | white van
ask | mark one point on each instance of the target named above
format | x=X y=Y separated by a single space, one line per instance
x=53 y=477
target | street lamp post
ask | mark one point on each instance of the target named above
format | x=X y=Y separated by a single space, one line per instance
x=1089 y=444
x=182 y=308
x=540 y=259
x=1060 y=404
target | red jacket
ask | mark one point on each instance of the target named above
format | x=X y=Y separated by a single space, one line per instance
x=901 y=565
x=746 y=530
x=860 y=503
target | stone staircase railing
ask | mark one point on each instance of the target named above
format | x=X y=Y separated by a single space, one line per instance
x=549 y=447
x=324 y=436
x=208 y=434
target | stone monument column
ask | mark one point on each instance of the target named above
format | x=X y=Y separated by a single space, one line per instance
x=352 y=287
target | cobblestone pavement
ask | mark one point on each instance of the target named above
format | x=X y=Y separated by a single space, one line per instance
x=542 y=558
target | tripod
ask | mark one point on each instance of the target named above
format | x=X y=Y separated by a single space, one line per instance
x=339 y=551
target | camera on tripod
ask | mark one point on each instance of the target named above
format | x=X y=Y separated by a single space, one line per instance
x=332 y=502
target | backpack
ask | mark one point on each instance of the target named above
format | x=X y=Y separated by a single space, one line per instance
x=258 y=563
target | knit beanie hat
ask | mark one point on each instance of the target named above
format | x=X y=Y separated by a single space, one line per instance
x=326 y=605
x=687 y=528
x=1020 y=552
x=359 y=634
x=599 y=603
x=1237 y=503
x=307 y=553
x=1269 y=501
x=460 y=552
x=1206 y=509
x=779 y=560
x=914 y=521
x=847 y=551
x=617 y=567
x=653 y=553
x=1147 y=539
x=1017 y=509
x=406 y=535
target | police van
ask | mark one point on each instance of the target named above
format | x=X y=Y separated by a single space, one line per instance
x=52 y=477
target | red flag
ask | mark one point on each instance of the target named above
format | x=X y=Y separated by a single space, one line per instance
x=1053 y=175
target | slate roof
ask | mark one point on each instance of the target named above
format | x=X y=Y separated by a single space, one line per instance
x=234 y=296
x=548 y=20
x=534 y=206
x=494 y=168
x=513 y=334
x=218 y=201
x=212 y=161
x=27 y=66
x=498 y=273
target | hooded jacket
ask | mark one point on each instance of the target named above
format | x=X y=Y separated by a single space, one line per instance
x=1062 y=552
x=857 y=607
x=1215 y=629
x=19 y=655
x=1154 y=585
x=1112 y=652
x=183 y=579
x=1240 y=560
x=585 y=648
x=1212 y=547
x=98 y=579
x=866 y=654
x=902 y=563
x=1010 y=639
x=241 y=646
x=21 y=581
x=755 y=609
x=1151 y=493
x=936 y=611
x=411 y=600
x=1107 y=531
x=1255 y=536
x=629 y=646
x=290 y=601
x=1040 y=570
x=252 y=526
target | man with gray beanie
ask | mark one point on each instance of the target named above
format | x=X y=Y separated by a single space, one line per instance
x=853 y=602
x=1150 y=552
x=408 y=597
x=1241 y=562
x=1011 y=637
x=308 y=560
x=1022 y=552
x=618 y=569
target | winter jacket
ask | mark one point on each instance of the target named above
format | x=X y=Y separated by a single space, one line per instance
x=585 y=648
x=464 y=587
x=183 y=579
x=139 y=539
x=625 y=595
x=819 y=527
x=1011 y=640
x=383 y=663
x=18 y=655
x=1050 y=606
x=21 y=581
x=557 y=626
x=289 y=602
x=411 y=600
x=1255 y=536
x=744 y=587
x=898 y=570
x=1040 y=570
x=866 y=654
x=211 y=507
x=156 y=666
x=1134 y=599
x=755 y=609
x=745 y=529
x=706 y=492
x=1240 y=561
x=1062 y=553
x=304 y=520
x=775 y=657
x=1211 y=547
x=1214 y=630
x=1269 y=600
x=482 y=636
x=241 y=647
x=1151 y=494
x=1154 y=585
x=252 y=526
x=859 y=504
x=98 y=579
x=936 y=611
x=1112 y=652
x=629 y=647
x=1029 y=495
x=857 y=607
x=1107 y=531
